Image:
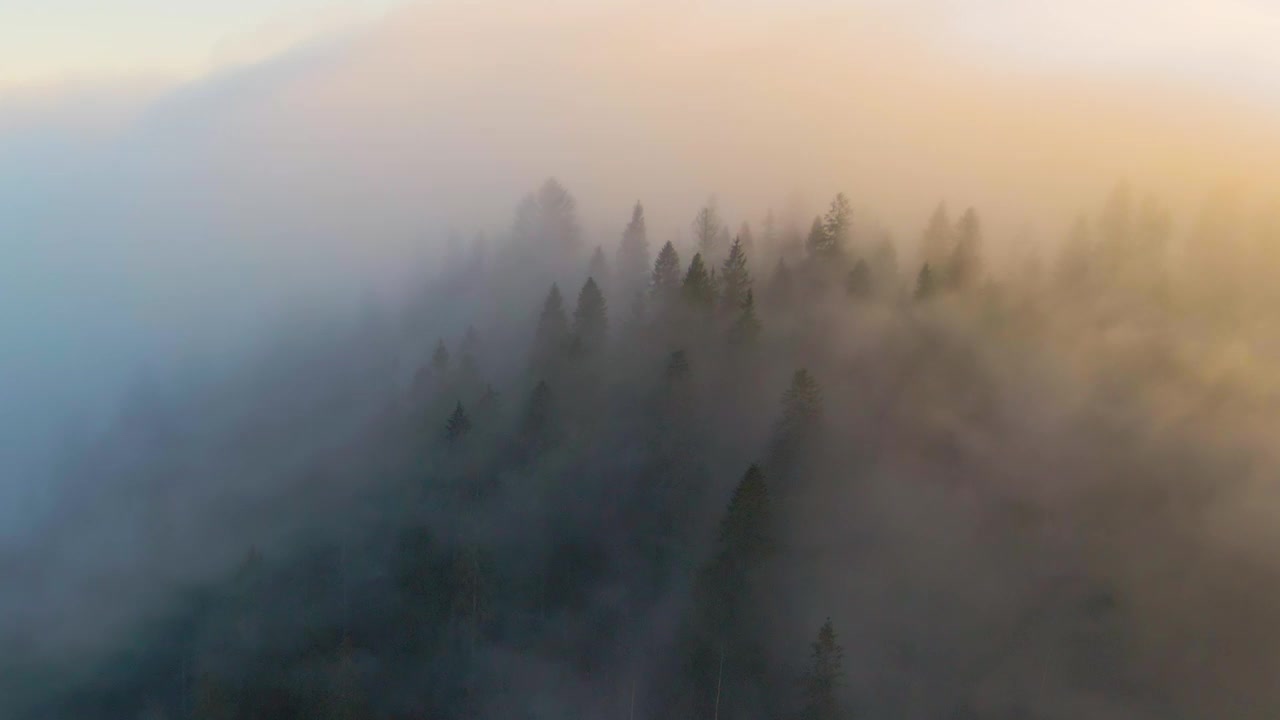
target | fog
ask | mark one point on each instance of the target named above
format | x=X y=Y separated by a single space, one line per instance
x=218 y=295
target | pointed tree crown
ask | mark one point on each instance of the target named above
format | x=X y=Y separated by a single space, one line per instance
x=697 y=287
x=735 y=279
x=590 y=321
x=664 y=283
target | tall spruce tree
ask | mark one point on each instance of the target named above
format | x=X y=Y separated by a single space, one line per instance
x=440 y=359
x=707 y=228
x=457 y=426
x=746 y=326
x=697 y=288
x=938 y=240
x=837 y=226
x=823 y=677
x=818 y=244
x=926 y=283
x=598 y=268
x=858 y=282
x=552 y=334
x=664 y=283
x=633 y=253
x=735 y=279
x=965 y=267
x=590 y=321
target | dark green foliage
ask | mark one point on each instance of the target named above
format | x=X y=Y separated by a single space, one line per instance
x=818 y=244
x=823 y=677
x=590 y=322
x=938 y=241
x=458 y=425
x=801 y=404
x=926 y=284
x=440 y=359
x=746 y=326
x=633 y=252
x=664 y=283
x=598 y=268
x=746 y=532
x=552 y=335
x=697 y=289
x=735 y=280
x=858 y=282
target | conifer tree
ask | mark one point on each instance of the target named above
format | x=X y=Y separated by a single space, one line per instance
x=598 y=268
x=633 y=252
x=926 y=285
x=696 y=288
x=818 y=243
x=735 y=280
x=746 y=530
x=552 y=334
x=440 y=359
x=858 y=281
x=457 y=426
x=823 y=677
x=746 y=327
x=965 y=267
x=590 y=322
x=837 y=225
x=707 y=228
x=746 y=237
x=798 y=427
x=938 y=241
x=664 y=283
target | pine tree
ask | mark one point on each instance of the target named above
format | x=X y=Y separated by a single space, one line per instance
x=696 y=288
x=746 y=237
x=551 y=336
x=598 y=268
x=440 y=359
x=735 y=280
x=823 y=677
x=664 y=283
x=938 y=241
x=965 y=268
x=706 y=228
x=798 y=427
x=746 y=327
x=457 y=426
x=590 y=322
x=746 y=530
x=818 y=243
x=633 y=252
x=926 y=285
x=837 y=226
x=858 y=281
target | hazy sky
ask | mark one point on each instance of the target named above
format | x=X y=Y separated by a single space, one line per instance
x=1228 y=45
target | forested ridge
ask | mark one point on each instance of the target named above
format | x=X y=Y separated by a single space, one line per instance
x=792 y=470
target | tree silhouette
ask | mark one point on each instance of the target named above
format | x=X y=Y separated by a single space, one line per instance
x=552 y=333
x=707 y=228
x=926 y=285
x=697 y=289
x=598 y=268
x=837 y=226
x=633 y=252
x=457 y=426
x=858 y=282
x=823 y=677
x=735 y=280
x=746 y=327
x=664 y=283
x=590 y=322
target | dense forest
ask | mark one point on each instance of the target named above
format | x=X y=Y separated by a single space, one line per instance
x=787 y=469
